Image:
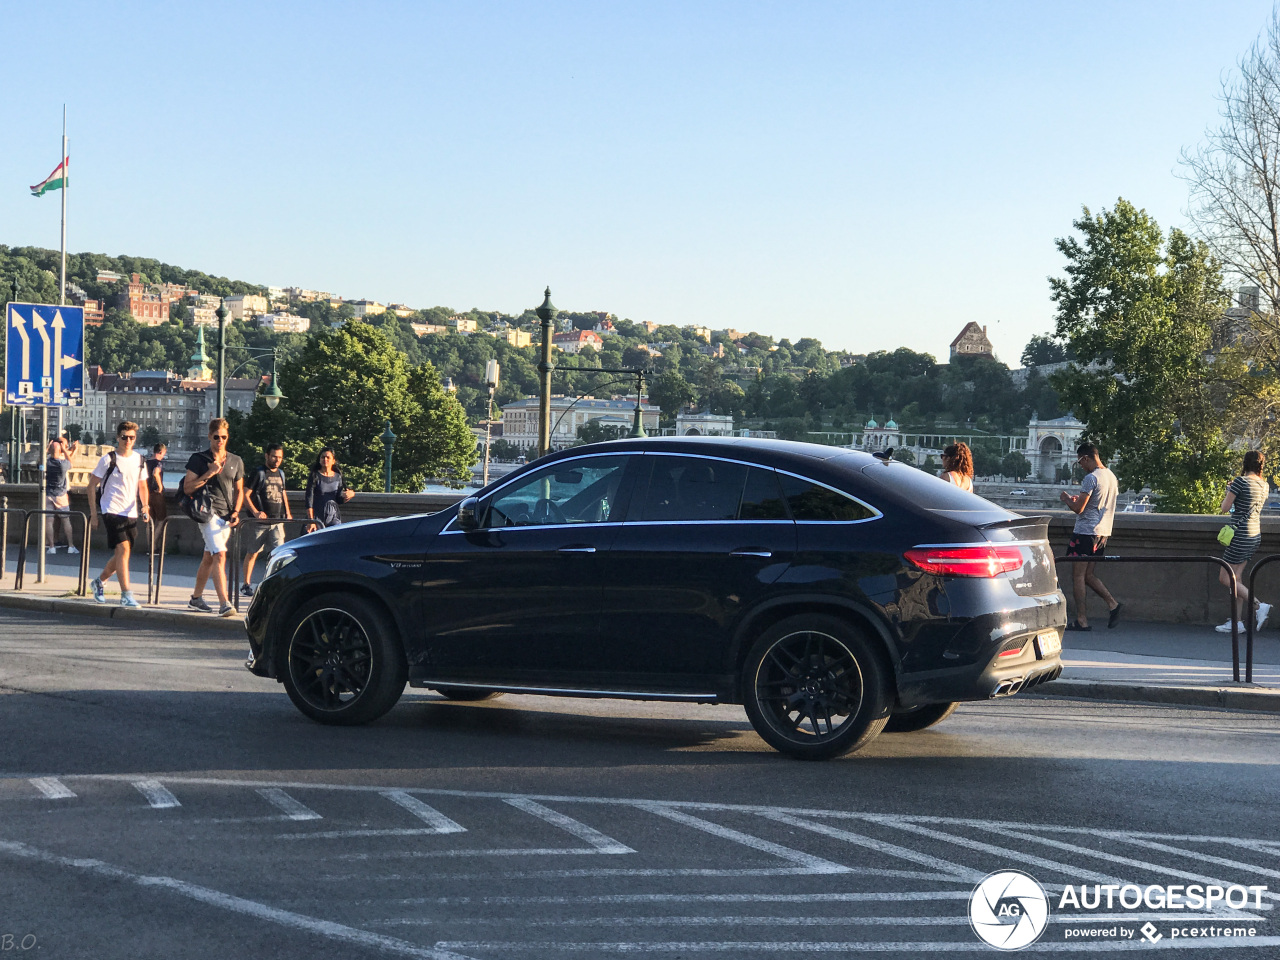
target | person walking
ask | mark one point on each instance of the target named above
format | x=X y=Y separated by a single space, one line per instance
x=1095 y=510
x=117 y=486
x=222 y=474
x=1246 y=496
x=957 y=465
x=265 y=499
x=325 y=490
x=57 y=492
x=155 y=482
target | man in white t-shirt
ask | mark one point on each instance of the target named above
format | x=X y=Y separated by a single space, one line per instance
x=1095 y=509
x=122 y=477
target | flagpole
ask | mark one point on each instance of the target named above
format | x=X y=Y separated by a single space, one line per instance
x=42 y=456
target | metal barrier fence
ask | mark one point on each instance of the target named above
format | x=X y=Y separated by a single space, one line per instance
x=83 y=587
x=4 y=534
x=1235 y=633
x=1248 y=621
x=155 y=572
x=234 y=548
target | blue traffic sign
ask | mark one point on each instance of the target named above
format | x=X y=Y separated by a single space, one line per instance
x=44 y=355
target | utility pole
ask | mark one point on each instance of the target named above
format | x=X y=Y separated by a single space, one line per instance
x=221 y=314
x=491 y=372
x=546 y=313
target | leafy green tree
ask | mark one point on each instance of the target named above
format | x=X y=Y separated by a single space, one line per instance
x=670 y=391
x=1015 y=465
x=1148 y=310
x=502 y=449
x=1041 y=349
x=341 y=388
x=593 y=431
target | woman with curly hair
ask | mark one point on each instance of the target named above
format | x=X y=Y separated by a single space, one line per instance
x=957 y=463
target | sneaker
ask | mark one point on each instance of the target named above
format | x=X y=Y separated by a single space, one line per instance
x=198 y=603
x=226 y=610
x=247 y=591
x=127 y=600
x=72 y=550
x=98 y=594
x=1226 y=627
x=1260 y=616
x=52 y=550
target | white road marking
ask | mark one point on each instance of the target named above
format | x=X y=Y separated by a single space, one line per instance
x=52 y=788
x=342 y=834
x=1026 y=859
x=598 y=840
x=876 y=896
x=156 y=794
x=766 y=921
x=251 y=908
x=808 y=861
x=642 y=872
x=428 y=815
x=880 y=846
x=293 y=809
x=1197 y=855
x=1157 y=868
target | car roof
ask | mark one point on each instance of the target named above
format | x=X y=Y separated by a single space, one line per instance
x=773 y=453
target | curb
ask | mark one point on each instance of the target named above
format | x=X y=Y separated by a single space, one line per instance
x=1230 y=698
x=78 y=607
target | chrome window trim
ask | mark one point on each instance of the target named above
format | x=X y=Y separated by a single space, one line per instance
x=537 y=526
x=849 y=496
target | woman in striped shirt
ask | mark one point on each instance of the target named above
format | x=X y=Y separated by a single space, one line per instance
x=1246 y=496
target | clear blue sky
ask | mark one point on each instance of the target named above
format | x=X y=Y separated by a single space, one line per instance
x=872 y=174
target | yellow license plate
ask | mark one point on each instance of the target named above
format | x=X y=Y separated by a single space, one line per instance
x=1048 y=645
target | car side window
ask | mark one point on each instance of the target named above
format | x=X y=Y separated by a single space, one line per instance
x=692 y=488
x=762 y=497
x=573 y=491
x=809 y=501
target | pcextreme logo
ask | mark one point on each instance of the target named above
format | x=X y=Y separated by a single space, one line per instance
x=1008 y=910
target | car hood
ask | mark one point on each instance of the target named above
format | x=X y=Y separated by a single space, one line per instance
x=380 y=529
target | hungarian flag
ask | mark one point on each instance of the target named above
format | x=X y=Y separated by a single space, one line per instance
x=54 y=181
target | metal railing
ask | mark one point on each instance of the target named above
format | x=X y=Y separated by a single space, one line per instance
x=83 y=587
x=1235 y=631
x=155 y=571
x=4 y=534
x=1249 y=620
x=234 y=547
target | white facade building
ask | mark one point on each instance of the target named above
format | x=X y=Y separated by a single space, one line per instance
x=520 y=419
x=284 y=323
x=1051 y=443
x=703 y=425
x=245 y=306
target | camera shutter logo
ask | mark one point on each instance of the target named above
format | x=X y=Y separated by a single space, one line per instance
x=1008 y=910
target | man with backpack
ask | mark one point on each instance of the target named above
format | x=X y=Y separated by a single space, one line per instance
x=266 y=500
x=117 y=486
x=214 y=484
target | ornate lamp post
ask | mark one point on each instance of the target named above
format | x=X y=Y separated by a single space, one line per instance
x=491 y=372
x=221 y=314
x=546 y=313
x=388 y=441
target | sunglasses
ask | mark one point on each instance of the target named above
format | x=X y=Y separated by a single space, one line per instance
x=219 y=436
x=128 y=436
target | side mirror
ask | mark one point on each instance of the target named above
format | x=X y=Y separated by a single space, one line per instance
x=467 y=519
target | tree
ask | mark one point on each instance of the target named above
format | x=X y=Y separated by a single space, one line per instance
x=149 y=437
x=593 y=431
x=1042 y=349
x=1015 y=465
x=1147 y=311
x=670 y=391
x=501 y=449
x=342 y=387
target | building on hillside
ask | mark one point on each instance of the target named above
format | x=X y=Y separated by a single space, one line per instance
x=462 y=323
x=109 y=276
x=517 y=337
x=202 y=316
x=574 y=342
x=520 y=419
x=972 y=342
x=302 y=294
x=179 y=408
x=91 y=415
x=730 y=334
x=175 y=291
x=143 y=302
x=691 y=424
x=429 y=329
x=93 y=312
x=400 y=310
x=366 y=308
x=1052 y=443
x=876 y=437
x=245 y=306
x=276 y=293
x=703 y=333
x=284 y=323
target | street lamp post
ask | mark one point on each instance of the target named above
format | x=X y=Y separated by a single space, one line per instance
x=491 y=372
x=15 y=450
x=388 y=441
x=221 y=314
x=546 y=313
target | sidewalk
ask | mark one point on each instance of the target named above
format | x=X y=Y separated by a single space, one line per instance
x=1170 y=663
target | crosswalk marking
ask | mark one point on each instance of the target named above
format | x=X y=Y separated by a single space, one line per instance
x=293 y=809
x=156 y=794
x=52 y=788
x=599 y=842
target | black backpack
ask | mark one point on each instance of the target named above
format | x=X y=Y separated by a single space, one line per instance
x=97 y=494
x=198 y=506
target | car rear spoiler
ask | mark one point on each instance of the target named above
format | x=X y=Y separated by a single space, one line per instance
x=1012 y=522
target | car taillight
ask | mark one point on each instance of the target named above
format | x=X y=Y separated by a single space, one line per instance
x=984 y=560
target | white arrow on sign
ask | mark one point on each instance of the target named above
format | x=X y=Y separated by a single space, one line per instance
x=69 y=362
x=37 y=322
x=26 y=344
x=58 y=326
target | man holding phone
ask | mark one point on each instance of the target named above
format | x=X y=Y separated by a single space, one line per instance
x=222 y=473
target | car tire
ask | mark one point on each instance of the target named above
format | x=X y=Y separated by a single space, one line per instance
x=342 y=663
x=466 y=694
x=918 y=718
x=814 y=688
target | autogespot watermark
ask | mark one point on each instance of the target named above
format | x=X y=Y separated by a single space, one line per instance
x=1009 y=910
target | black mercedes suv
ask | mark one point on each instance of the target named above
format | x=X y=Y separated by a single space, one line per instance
x=832 y=593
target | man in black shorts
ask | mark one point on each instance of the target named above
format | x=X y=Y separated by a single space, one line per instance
x=1095 y=509
x=266 y=500
x=122 y=478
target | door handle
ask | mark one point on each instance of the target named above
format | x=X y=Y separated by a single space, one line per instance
x=750 y=552
x=577 y=549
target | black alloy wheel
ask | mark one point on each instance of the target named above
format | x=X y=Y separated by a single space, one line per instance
x=343 y=663
x=814 y=688
x=917 y=718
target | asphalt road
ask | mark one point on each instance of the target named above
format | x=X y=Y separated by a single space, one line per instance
x=158 y=801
